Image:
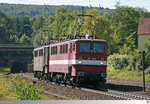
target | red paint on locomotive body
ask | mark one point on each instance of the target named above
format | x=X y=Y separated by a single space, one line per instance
x=80 y=57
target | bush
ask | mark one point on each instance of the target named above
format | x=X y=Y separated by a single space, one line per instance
x=121 y=61
x=26 y=91
x=118 y=61
x=147 y=53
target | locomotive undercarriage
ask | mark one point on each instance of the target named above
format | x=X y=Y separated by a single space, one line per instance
x=67 y=79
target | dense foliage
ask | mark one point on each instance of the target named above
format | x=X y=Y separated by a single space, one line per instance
x=21 y=10
x=124 y=61
x=26 y=91
x=119 y=28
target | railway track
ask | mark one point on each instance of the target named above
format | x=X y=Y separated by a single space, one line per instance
x=128 y=82
x=57 y=95
x=107 y=92
x=118 y=94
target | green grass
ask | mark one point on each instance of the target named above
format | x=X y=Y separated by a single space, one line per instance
x=7 y=87
x=4 y=69
x=127 y=75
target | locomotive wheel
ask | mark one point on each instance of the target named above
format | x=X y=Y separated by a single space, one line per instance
x=38 y=75
x=55 y=80
x=65 y=82
x=35 y=74
x=49 y=78
x=45 y=77
x=77 y=84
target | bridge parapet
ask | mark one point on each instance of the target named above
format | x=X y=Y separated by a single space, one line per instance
x=16 y=47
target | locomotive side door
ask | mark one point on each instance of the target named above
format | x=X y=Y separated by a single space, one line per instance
x=72 y=57
x=46 y=59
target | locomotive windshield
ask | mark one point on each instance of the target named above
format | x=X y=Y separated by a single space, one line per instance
x=85 y=47
x=98 y=48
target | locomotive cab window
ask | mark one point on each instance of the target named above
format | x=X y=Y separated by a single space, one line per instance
x=41 y=52
x=85 y=47
x=98 y=48
x=35 y=53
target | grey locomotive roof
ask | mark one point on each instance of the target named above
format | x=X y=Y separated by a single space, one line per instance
x=41 y=47
x=97 y=40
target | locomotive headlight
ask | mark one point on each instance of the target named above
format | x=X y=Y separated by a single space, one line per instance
x=80 y=62
x=102 y=62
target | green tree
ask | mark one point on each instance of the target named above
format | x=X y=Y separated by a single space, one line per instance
x=103 y=27
x=4 y=27
x=25 y=26
x=147 y=51
x=90 y=22
x=42 y=29
x=63 y=19
x=125 y=24
x=25 y=40
x=38 y=39
x=3 y=34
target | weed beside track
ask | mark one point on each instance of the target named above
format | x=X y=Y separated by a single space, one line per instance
x=17 y=88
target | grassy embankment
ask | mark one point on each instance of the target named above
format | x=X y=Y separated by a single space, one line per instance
x=11 y=88
x=5 y=85
x=127 y=75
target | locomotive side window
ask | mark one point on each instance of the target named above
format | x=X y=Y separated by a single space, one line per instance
x=98 y=48
x=61 y=49
x=54 y=50
x=73 y=47
x=85 y=47
x=46 y=51
x=51 y=50
x=66 y=48
x=41 y=52
x=35 y=53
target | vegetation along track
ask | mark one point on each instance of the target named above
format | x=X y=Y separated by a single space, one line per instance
x=87 y=93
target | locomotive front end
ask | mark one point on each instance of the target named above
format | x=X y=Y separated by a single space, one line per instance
x=90 y=61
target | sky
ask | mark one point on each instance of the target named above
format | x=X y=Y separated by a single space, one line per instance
x=94 y=3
